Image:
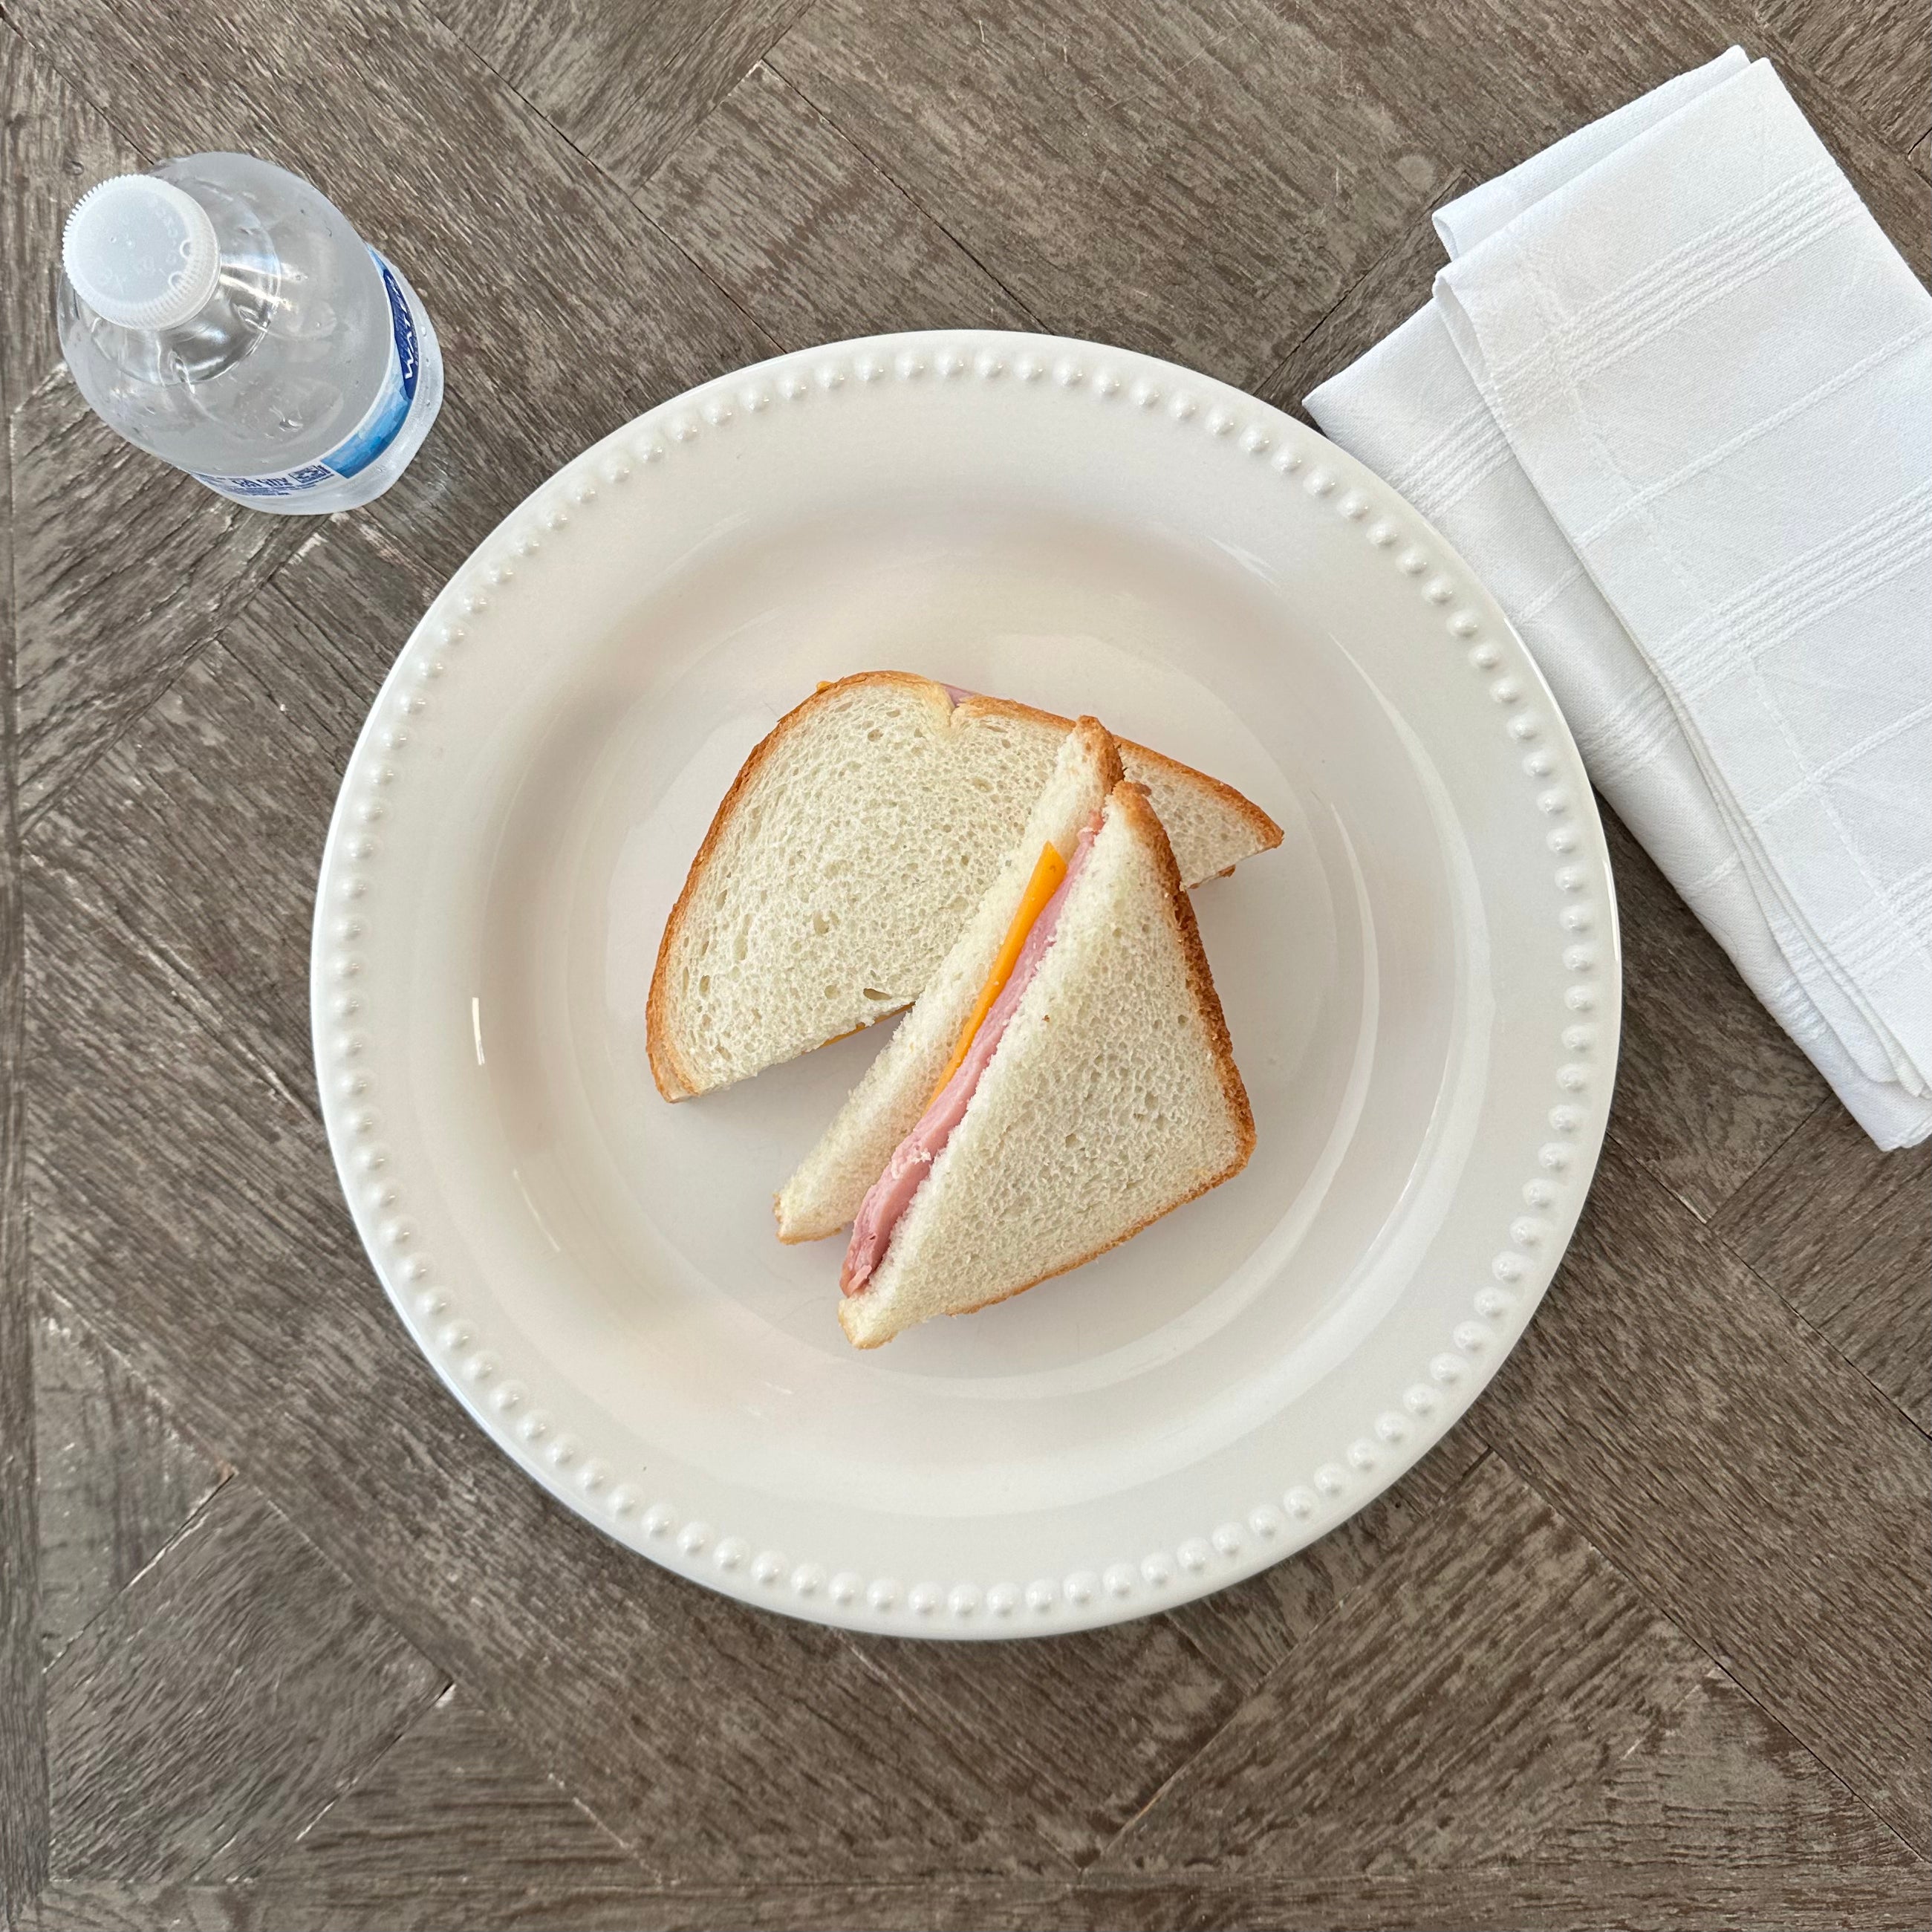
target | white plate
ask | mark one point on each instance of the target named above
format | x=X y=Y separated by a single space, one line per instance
x=1422 y=985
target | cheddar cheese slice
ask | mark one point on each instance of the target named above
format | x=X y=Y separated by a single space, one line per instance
x=1048 y=870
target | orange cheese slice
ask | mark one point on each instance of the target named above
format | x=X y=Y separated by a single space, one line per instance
x=1048 y=870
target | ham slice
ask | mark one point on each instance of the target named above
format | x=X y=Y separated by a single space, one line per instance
x=891 y=1194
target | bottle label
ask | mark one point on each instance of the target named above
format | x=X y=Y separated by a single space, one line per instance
x=381 y=421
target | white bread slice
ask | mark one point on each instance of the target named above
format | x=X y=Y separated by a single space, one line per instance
x=1112 y=1099
x=852 y=846
x=825 y=1193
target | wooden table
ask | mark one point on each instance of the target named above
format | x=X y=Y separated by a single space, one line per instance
x=287 y=1643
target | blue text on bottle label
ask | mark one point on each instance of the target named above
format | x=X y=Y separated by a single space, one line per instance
x=381 y=423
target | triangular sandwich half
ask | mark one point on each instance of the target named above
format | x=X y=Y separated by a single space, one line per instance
x=852 y=846
x=1099 y=1093
x=824 y=1194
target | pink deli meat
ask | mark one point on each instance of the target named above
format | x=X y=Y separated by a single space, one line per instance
x=891 y=1194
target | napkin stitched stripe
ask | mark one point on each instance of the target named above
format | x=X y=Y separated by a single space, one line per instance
x=1450 y=439
x=1798 y=593
x=1794 y=1010
x=1629 y=737
x=1711 y=880
x=1636 y=731
x=1712 y=459
x=1445 y=471
x=1542 y=601
x=1567 y=355
x=1800 y=197
x=1879 y=934
x=1850 y=755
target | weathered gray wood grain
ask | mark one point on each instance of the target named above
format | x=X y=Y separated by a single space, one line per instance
x=1150 y=175
x=27 y=128
x=1719 y=1786
x=1895 y=191
x=53 y=144
x=123 y=568
x=807 y=235
x=627 y=84
x=1709 y=1086
x=106 y=1905
x=1484 y=84
x=455 y=1820
x=1874 y=57
x=1525 y=1898
x=1247 y=1630
x=717 y=1741
x=117 y=1481
x=1087 y=1727
x=1650 y=1897
x=1490 y=1675
x=1384 y=296
x=22 y=1760
x=561 y=310
x=1739 y=1471
x=220 y=1703
x=966 y=1905
x=1843 y=1232
x=201 y=829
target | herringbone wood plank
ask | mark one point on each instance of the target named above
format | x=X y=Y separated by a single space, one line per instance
x=812 y=240
x=105 y=629
x=627 y=85
x=1873 y=58
x=457 y=1819
x=1756 y=1488
x=117 y=1481
x=1579 y=1898
x=220 y=1703
x=1841 y=1230
x=1140 y=174
x=1508 y=1668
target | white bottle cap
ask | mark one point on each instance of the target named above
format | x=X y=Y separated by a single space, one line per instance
x=141 y=252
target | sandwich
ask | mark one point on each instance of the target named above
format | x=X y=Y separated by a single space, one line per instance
x=1091 y=1089
x=852 y=847
x=823 y=1195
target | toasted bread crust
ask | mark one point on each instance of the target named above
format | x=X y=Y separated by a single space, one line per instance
x=1131 y=800
x=676 y=1079
x=1102 y=746
x=1066 y=1267
x=1267 y=835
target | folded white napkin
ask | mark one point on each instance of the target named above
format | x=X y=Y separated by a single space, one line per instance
x=1673 y=401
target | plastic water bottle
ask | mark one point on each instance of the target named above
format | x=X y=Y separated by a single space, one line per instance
x=223 y=316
